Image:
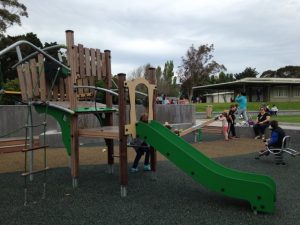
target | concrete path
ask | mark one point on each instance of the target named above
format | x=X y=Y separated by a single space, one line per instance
x=289 y=126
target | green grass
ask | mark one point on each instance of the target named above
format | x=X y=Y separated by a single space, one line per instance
x=287 y=119
x=252 y=106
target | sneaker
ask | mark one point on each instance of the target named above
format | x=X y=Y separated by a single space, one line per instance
x=147 y=168
x=134 y=170
x=257 y=137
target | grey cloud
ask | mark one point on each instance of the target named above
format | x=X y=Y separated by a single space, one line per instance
x=261 y=34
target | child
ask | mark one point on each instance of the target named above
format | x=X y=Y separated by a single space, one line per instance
x=241 y=99
x=167 y=125
x=231 y=121
x=141 y=147
x=275 y=141
x=223 y=117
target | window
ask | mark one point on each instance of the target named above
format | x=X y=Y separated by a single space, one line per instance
x=296 y=91
x=281 y=92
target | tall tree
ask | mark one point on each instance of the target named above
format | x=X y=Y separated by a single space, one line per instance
x=138 y=72
x=168 y=75
x=196 y=67
x=158 y=74
x=10 y=13
x=141 y=71
x=248 y=72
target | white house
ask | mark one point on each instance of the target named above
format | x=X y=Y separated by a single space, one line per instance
x=219 y=97
x=259 y=89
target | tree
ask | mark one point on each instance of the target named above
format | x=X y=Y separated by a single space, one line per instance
x=196 y=68
x=168 y=83
x=158 y=76
x=10 y=13
x=248 y=72
x=223 y=78
x=11 y=99
x=141 y=71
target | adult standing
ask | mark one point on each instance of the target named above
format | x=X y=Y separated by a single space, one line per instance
x=241 y=99
x=261 y=123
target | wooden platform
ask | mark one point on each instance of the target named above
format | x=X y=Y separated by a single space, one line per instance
x=211 y=130
x=16 y=144
x=111 y=132
x=196 y=127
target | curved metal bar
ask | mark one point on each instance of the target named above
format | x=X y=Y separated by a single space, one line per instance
x=14 y=45
x=141 y=93
x=138 y=92
x=71 y=112
x=34 y=53
x=97 y=88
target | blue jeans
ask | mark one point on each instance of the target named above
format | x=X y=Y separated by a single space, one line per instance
x=139 y=153
x=242 y=112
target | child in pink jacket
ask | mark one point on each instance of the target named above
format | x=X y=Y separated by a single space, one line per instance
x=223 y=117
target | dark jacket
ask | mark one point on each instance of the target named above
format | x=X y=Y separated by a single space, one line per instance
x=277 y=136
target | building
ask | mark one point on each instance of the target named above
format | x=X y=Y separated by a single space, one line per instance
x=219 y=97
x=258 y=89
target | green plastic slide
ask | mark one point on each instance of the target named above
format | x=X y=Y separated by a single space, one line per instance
x=259 y=190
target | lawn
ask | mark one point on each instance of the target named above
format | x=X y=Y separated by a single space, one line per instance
x=252 y=106
x=287 y=118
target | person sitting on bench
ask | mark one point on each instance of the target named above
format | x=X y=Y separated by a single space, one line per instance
x=261 y=123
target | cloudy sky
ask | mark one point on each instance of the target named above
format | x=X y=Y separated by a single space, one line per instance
x=262 y=34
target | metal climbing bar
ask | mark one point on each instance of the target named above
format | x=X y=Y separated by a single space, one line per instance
x=18 y=43
x=35 y=53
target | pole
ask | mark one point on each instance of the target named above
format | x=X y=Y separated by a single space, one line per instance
x=122 y=136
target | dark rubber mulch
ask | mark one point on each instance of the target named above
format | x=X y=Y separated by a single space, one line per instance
x=173 y=198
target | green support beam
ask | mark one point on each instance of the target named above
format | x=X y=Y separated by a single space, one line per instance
x=63 y=118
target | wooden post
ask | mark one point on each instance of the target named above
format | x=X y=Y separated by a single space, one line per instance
x=109 y=116
x=108 y=82
x=152 y=80
x=122 y=136
x=72 y=97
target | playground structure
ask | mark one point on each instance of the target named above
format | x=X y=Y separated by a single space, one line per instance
x=68 y=98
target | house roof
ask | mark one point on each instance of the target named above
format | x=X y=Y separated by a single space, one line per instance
x=250 y=82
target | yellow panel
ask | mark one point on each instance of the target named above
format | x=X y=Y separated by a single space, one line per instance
x=131 y=85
